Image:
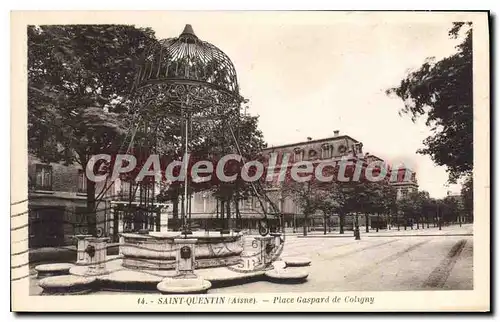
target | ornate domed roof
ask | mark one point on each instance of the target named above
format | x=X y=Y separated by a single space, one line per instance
x=187 y=58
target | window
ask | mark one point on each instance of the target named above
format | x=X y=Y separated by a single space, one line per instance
x=326 y=151
x=43 y=177
x=312 y=154
x=82 y=182
x=125 y=188
x=298 y=155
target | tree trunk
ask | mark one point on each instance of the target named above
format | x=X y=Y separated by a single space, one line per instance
x=228 y=214
x=378 y=221
x=91 y=211
x=222 y=214
x=367 y=229
x=341 y=223
x=237 y=214
x=324 y=224
x=306 y=222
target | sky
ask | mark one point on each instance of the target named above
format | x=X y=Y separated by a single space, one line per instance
x=308 y=74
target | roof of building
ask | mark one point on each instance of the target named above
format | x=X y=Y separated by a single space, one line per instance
x=333 y=138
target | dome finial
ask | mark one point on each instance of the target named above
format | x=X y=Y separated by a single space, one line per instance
x=188 y=31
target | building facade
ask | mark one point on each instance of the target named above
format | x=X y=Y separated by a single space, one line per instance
x=334 y=148
x=57 y=204
x=203 y=205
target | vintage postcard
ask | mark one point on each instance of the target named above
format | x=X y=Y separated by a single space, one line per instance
x=268 y=161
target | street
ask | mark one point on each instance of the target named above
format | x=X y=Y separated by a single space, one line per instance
x=388 y=261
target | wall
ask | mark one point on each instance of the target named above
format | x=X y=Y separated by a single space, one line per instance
x=47 y=207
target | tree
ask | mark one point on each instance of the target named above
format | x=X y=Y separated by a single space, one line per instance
x=467 y=194
x=428 y=210
x=307 y=195
x=324 y=202
x=412 y=206
x=380 y=199
x=385 y=200
x=348 y=197
x=211 y=139
x=79 y=78
x=451 y=209
x=442 y=91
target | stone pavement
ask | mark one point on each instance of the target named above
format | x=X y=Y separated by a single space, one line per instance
x=387 y=263
x=395 y=261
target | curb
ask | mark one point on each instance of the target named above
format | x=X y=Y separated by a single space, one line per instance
x=376 y=236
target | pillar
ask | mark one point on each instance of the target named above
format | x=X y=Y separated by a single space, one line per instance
x=120 y=215
x=96 y=251
x=277 y=239
x=266 y=250
x=81 y=245
x=121 y=244
x=185 y=257
x=164 y=219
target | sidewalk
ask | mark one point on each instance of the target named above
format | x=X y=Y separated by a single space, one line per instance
x=452 y=230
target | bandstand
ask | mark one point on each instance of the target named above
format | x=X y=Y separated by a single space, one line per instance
x=184 y=88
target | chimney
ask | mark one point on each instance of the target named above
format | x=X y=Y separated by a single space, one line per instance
x=309 y=138
x=336 y=133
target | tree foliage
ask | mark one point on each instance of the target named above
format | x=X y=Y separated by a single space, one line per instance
x=79 y=78
x=442 y=92
x=451 y=208
x=467 y=194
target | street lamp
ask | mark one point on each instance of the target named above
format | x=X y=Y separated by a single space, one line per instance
x=294 y=222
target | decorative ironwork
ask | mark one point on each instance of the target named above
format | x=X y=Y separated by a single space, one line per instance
x=186 y=57
x=90 y=250
x=185 y=252
x=180 y=81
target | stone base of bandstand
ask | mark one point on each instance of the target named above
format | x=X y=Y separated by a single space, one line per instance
x=183 y=285
x=67 y=284
x=185 y=280
x=114 y=275
x=56 y=269
x=287 y=275
x=169 y=264
x=119 y=278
